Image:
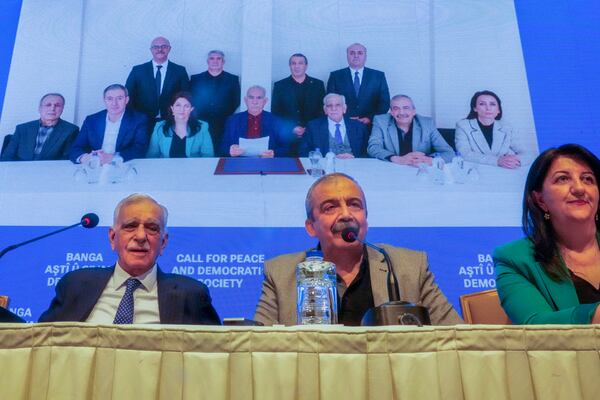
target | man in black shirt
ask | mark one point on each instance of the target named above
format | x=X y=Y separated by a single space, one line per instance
x=215 y=95
x=335 y=202
x=298 y=98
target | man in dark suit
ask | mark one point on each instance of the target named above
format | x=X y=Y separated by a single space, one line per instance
x=366 y=90
x=341 y=135
x=253 y=124
x=152 y=85
x=134 y=290
x=215 y=95
x=298 y=98
x=47 y=138
x=110 y=131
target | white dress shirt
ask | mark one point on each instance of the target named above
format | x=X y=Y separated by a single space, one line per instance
x=360 y=74
x=111 y=131
x=145 y=298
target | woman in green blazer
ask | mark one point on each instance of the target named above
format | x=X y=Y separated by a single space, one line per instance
x=553 y=275
x=181 y=135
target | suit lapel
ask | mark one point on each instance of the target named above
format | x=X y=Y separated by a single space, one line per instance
x=378 y=272
x=417 y=133
x=323 y=140
x=149 y=73
x=478 y=137
x=91 y=290
x=353 y=138
x=499 y=137
x=349 y=78
x=392 y=133
x=31 y=137
x=55 y=138
x=123 y=130
x=168 y=81
x=171 y=300
x=366 y=80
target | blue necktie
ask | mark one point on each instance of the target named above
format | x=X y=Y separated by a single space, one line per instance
x=125 y=311
x=356 y=83
x=338 y=135
x=158 y=79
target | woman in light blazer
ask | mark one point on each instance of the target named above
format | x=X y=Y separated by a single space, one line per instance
x=484 y=139
x=181 y=135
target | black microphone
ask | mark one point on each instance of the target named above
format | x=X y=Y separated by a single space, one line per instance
x=89 y=220
x=395 y=311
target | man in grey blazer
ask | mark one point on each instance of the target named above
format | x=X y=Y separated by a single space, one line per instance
x=404 y=137
x=47 y=138
x=335 y=202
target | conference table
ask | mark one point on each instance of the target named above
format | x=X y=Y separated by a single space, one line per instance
x=82 y=361
x=196 y=197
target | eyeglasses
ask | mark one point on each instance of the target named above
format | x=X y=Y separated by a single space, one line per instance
x=160 y=47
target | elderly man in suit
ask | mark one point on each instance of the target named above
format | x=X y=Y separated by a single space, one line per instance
x=113 y=130
x=255 y=123
x=366 y=90
x=405 y=137
x=297 y=99
x=46 y=138
x=134 y=290
x=151 y=85
x=215 y=95
x=333 y=203
x=343 y=136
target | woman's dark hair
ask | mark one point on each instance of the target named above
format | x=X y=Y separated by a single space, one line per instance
x=473 y=114
x=193 y=122
x=538 y=229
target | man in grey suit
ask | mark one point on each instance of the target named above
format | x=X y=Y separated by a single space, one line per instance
x=404 y=137
x=335 y=202
x=47 y=138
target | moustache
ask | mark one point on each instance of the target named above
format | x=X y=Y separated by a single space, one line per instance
x=341 y=225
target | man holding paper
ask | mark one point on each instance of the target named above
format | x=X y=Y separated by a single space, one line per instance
x=254 y=132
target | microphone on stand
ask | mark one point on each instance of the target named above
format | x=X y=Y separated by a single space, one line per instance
x=395 y=311
x=89 y=220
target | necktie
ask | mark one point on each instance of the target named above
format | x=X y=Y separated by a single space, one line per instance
x=356 y=83
x=338 y=135
x=125 y=311
x=158 y=79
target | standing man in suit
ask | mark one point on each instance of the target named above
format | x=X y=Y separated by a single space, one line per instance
x=215 y=95
x=253 y=124
x=134 y=290
x=366 y=90
x=151 y=85
x=405 y=137
x=113 y=130
x=46 y=138
x=333 y=203
x=297 y=98
x=343 y=136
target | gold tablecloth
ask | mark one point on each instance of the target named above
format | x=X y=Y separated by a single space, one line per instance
x=82 y=361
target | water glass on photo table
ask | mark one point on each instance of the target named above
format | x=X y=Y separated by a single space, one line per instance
x=316 y=158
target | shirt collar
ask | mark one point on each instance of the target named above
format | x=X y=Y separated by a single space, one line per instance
x=164 y=65
x=148 y=279
x=360 y=71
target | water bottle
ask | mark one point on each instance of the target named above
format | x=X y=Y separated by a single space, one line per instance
x=117 y=168
x=437 y=169
x=329 y=163
x=315 y=157
x=92 y=168
x=317 y=290
x=459 y=173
